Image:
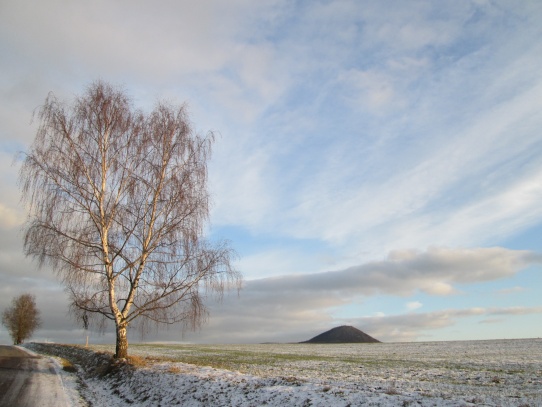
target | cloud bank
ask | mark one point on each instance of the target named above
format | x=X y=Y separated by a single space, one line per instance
x=290 y=306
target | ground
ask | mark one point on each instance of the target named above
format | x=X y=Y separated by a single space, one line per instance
x=492 y=373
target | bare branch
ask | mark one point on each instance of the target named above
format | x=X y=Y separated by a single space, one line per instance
x=118 y=204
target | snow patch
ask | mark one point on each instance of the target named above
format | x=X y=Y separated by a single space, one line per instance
x=490 y=373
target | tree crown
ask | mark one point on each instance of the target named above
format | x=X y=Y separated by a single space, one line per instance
x=22 y=318
x=118 y=202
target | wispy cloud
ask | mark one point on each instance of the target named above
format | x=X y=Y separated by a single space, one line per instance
x=429 y=142
x=349 y=130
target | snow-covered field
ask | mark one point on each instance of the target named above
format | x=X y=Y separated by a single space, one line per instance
x=489 y=373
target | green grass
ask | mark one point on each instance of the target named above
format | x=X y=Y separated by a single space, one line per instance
x=380 y=359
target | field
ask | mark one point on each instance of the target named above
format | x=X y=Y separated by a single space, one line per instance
x=494 y=373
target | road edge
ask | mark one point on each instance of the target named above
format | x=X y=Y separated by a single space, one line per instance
x=72 y=396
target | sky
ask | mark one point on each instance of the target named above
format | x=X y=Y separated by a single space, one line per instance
x=378 y=163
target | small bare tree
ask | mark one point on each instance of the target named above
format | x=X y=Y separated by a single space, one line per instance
x=22 y=318
x=118 y=204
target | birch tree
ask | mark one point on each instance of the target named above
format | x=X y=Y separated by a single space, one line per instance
x=118 y=204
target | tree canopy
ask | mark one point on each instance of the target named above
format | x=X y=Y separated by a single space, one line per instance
x=118 y=204
x=22 y=318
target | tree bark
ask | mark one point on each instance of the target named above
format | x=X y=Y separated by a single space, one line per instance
x=121 y=351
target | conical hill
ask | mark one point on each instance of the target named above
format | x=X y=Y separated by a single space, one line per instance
x=343 y=334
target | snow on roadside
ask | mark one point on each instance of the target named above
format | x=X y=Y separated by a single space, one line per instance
x=68 y=381
x=70 y=385
x=104 y=382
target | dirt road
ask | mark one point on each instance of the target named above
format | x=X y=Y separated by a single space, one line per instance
x=28 y=381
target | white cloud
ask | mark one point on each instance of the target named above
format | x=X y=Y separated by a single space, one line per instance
x=411 y=326
x=293 y=304
x=416 y=326
x=12 y=213
x=437 y=267
x=413 y=305
x=438 y=288
x=511 y=290
x=169 y=39
x=10 y=218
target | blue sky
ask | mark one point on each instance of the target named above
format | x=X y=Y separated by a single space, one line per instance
x=377 y=165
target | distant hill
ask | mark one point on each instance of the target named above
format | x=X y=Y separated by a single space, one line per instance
x=343 y=334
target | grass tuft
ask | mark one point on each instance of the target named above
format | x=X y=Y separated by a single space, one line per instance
x=174 y=370
x=137 y=361
x=391 y=390
x=67 y=366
